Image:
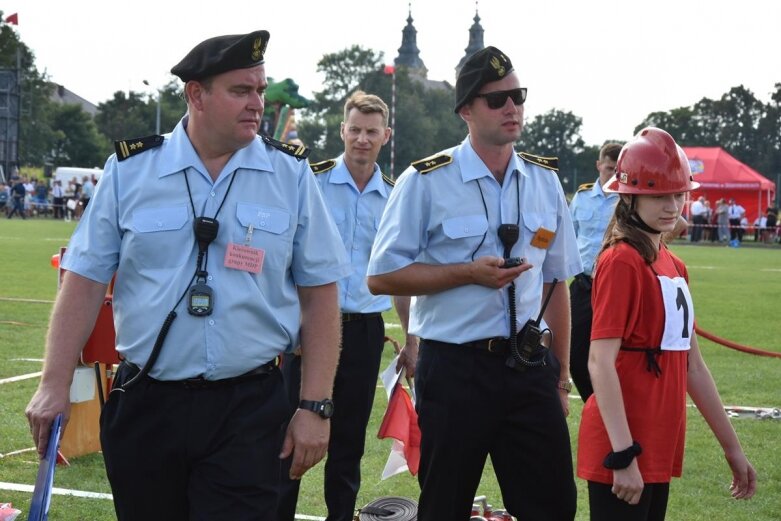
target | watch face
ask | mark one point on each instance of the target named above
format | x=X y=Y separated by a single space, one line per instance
x=326 y=408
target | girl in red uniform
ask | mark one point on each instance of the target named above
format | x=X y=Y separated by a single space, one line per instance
x=644 y=356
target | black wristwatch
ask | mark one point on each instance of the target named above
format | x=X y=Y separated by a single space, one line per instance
x=324 y=408
x=622 y=459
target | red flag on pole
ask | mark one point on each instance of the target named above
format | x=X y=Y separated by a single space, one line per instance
x=401 y=423
x=12 y=19
x=390 y=69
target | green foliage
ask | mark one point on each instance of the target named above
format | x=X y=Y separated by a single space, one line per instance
x=77 y=142
x=424 y=118
x=556 y=133
x=738 y=122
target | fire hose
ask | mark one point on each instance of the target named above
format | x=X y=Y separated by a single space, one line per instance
x=389 y=508
x=735 y=346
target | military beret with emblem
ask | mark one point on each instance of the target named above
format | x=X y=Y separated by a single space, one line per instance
x=484 y=66
x=222 y=54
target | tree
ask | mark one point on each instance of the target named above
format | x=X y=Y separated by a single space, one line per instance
x=556 y=133
x=35 y=134
x=77 y=140
x=424 y=118
x=738 y=122
x=134 y=114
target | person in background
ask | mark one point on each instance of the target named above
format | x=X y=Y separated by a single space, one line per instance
x=58 y=199
x=644 y=354
x=591 y=210
x=699 y=214
x=224 y=238
x=356 y=192
x=735 y=213
x=87 y=189
x=461 y=230
x=18 y=193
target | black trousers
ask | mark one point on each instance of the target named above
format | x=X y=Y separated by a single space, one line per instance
x=471 y=406
x=605 y=506
x=735 y=231
x=580 y=337
x=354 y=388
x=183 y=454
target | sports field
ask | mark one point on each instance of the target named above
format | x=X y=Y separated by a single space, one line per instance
x=737 y=296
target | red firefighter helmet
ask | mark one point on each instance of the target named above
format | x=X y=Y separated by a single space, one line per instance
x=652 y=164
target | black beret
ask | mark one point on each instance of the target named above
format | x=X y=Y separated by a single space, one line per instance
x=484 y=66
x=221 y=54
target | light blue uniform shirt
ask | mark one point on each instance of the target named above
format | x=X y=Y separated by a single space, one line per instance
x=439 y=218
x=357 y=216
x=140 y=224
x=591 y=211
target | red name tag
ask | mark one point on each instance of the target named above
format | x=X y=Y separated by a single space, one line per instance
x=244 y=258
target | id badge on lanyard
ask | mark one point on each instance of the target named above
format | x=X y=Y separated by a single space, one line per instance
x=678 y=314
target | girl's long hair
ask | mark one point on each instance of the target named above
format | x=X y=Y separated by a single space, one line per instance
x=620 y=229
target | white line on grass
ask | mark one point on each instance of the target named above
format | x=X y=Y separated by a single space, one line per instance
x=32 y=300
x=16 y=487
x=20 y=377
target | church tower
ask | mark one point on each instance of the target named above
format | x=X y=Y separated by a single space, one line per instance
x=475 y=40
x=409 y=54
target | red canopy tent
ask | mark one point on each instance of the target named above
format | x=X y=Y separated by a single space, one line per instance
x=721 y=175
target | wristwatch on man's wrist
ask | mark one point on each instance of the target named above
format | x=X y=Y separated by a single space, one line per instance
x=324 y=408
x=565 y=385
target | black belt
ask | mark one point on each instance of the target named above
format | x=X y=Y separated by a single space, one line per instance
x=200 y=382
x=349 y=317
x=495 y=345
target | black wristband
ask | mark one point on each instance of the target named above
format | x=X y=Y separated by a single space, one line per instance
x=622 y=459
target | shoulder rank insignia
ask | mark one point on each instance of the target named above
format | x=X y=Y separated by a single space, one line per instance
x=131 y=147
x=388 y=180
x=322 y=166
x=551 y=163
x=424 y=166
x=297 y=151
x=585 y=186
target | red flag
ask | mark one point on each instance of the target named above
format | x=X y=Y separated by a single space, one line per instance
x=401 y=423
x=12 y=19
x=390 y=69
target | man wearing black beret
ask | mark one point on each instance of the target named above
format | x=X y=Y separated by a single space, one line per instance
x=223 y=252
x=483 y=236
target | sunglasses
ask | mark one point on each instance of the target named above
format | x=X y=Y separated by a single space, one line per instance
x=497 y=99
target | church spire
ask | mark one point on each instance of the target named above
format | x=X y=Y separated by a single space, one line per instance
x=475 y=40
x=409 y=54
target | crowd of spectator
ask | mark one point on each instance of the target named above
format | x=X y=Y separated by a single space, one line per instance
x=727 y=223
x=31 y=197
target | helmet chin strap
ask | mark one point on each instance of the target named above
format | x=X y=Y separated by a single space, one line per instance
x=637 y=222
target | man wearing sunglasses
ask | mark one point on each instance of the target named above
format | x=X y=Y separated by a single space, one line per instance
x=480 y=235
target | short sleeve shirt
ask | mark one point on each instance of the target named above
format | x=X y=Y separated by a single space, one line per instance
x=451 y=215
x=357 y=216
x=627 y=302
x=139 y=224
x=591 y=211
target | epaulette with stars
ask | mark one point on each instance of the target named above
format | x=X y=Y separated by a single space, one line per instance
x=551 y=163
x=130 y=147
x=322 y=166
x=424 y=166
x=585 y=186
x=298 y=151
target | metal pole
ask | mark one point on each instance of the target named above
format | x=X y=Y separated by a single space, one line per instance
x=393 y=124
x=157 y=116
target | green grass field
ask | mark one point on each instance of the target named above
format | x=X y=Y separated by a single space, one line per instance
x=736 y=296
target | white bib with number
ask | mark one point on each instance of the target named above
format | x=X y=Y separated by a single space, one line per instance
x=678 y=314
